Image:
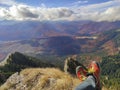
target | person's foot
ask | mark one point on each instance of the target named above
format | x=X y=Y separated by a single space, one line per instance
x=94 y=69
x=81 y=73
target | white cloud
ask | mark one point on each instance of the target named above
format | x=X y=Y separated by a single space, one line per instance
x=43 y=5
x=76 y=4
x=111 y=14
x=99 y=12
x=108 y=11
x=80 y=2
x=24 y=12
x=8 y=2
x=100 y=6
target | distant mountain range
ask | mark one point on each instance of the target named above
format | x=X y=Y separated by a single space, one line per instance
x=13 y=30
x=106 y=43
x=59 y=38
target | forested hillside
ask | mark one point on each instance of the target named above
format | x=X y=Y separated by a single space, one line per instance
x=111 y=72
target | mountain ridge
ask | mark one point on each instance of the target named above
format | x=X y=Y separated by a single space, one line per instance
x=29 y=29
x=16 y=62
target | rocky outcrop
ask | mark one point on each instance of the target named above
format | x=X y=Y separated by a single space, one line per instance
x=70 y=65
x=15 y=82
x=5 y=60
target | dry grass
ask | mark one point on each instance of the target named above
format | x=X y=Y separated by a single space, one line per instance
x=52 y=79
x=44 y=79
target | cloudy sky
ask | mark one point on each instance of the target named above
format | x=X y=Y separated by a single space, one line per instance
x=40 y=10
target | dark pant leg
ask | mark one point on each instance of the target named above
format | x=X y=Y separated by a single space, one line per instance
x=88 y=84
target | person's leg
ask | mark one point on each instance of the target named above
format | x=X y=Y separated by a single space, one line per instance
x=88 y=84
x=93 y=77
x=94 y=69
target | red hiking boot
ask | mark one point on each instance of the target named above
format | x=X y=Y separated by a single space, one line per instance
x=94 y=69
x=81 y=73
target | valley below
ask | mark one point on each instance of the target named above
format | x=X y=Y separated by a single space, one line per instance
x=46 y=47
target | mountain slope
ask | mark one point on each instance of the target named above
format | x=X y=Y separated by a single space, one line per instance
x=16 y=62
x=110 y=42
